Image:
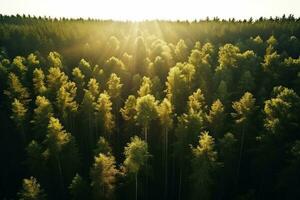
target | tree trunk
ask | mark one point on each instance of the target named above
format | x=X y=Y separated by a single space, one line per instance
x=166 y=163
x=60 y=174
x=136 y=186
x=241 y=153
x=179 y=189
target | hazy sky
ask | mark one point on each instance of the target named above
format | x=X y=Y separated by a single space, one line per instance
x=151 y=9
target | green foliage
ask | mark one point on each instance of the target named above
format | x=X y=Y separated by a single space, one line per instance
x=281 y=110
x=93 y=87
x=103 y=112
x=165 y=112
x=103 y=175
x=38 y=81
x=244 y=108
x=136 y=155
x=196 y=102
x=79 y=189
x=216 y=118
x=102 y=147
x=54 y=60
x=204 y=164
x=16 y=90
x=55 y=79
x=129 y=110
x=19 y=113
x=31 y=190
x=114 y=86
x=146 y=109
x=146 y=87
x=42 y=113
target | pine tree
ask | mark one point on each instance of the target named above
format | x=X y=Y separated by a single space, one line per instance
x=19 y=115
x=165 y=115
x=104 y=116
x=41 y=115
x=204 y=164
x=62 y=151
x=196 y=102
x=146 y=108
x=38 y=82
x=16 y=90
x=146 y=87
x=136 y=156
x=103 y=175
x=31 y=190
x=66 y=104
x=244 y=110
x=79 y=188
x=216 y=118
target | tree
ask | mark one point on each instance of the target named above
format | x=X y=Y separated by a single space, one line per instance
x=186 y=132
x=18 y=67
x=114 y=87
x=103 y=175
x=16 y=89
x=281 y=111
x=140 y=56
x=41 y=115
x=204 y=164
x=196 y=102
x=38 y=82
x=216 y=118
x=31 y=190
x=203 y=71
x=228 y=155
x=165 y=115
x=104 y=116
x=129 y=110
x=55 y=79
x=136 y=156
x=79 y=80
x=177 y=89
x=87 y=109
x=36 y=160
x=114 y=91
x=102 y=147
x=79 y=188
x=85 y=68
x=93 y=87
x=181 y=51
x=62 y=151
x=54 y=60
x=146 y=87
x=114 y=65
x=146 y=111
x=128 y=113
x=244 y=110
x=19 y=115
x=66 y=104
x=222 y=92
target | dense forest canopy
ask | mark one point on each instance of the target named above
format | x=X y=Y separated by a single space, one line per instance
x=94 y=109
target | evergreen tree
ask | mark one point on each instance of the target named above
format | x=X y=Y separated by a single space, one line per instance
x=136 y=156
x=31 y=190
x=146 y=111
x=204 y=164
x=103 y=175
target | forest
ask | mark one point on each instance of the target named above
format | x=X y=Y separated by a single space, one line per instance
x=101 y=109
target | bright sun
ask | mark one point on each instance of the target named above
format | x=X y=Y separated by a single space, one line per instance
x=150 y=9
